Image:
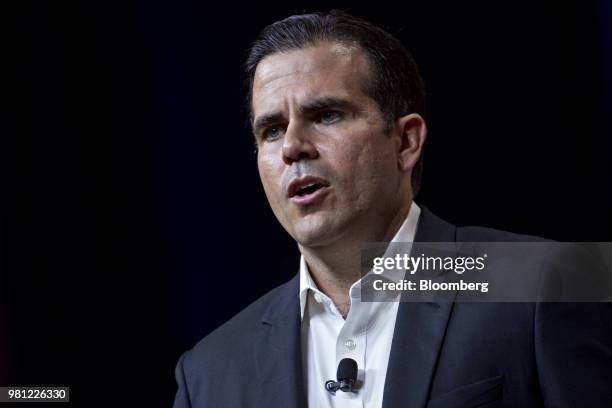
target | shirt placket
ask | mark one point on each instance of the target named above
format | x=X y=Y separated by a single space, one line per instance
x=351 y=343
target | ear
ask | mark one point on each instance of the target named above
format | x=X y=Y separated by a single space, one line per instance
x=411 y=138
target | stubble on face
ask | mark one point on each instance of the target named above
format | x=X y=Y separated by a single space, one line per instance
x=353 y=154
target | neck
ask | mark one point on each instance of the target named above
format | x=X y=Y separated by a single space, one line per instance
x=335 y=268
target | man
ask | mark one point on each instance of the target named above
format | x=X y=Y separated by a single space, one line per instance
x=337 y=113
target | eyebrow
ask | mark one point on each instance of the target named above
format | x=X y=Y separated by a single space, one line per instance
x=310 y=107
x=267 y=120
x=325 y=103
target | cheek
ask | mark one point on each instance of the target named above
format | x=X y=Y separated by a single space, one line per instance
x=270 y=178
x=365 y=170
x=353 y=158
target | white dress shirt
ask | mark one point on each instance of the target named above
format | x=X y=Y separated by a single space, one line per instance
x=365 y=336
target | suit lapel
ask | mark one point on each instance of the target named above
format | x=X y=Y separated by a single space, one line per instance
x=418 y=336
x=279 y=354
x=419 y=333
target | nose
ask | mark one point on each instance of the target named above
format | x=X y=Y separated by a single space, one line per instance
x=297 y=145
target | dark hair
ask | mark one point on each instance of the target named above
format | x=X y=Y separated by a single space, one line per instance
x=394 y=81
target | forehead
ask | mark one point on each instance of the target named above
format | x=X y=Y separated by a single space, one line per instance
x=324 y=70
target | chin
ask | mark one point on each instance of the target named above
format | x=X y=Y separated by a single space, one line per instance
x=314 y=233
x=312 y=240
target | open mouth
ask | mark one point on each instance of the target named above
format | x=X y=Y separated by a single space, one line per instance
x=308 y=189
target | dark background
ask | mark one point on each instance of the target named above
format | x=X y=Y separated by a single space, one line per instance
x=132 y=218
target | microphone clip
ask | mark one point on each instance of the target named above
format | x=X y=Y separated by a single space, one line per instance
x=345 y=385
x=347 y=375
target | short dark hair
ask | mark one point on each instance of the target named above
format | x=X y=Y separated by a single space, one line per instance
x=394 y=81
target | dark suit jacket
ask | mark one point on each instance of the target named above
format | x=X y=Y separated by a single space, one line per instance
x=442 y=355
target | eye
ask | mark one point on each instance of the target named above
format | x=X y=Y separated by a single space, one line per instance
x=272 y=133
x=329 y=117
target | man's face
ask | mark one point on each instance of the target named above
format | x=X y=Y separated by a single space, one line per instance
x=328 y=169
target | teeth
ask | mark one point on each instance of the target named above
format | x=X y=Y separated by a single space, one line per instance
x=305 y=187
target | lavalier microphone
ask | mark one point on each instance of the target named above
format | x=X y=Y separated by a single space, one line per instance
x=346 y=375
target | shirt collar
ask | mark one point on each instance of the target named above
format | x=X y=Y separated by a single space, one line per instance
x=405 y=233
